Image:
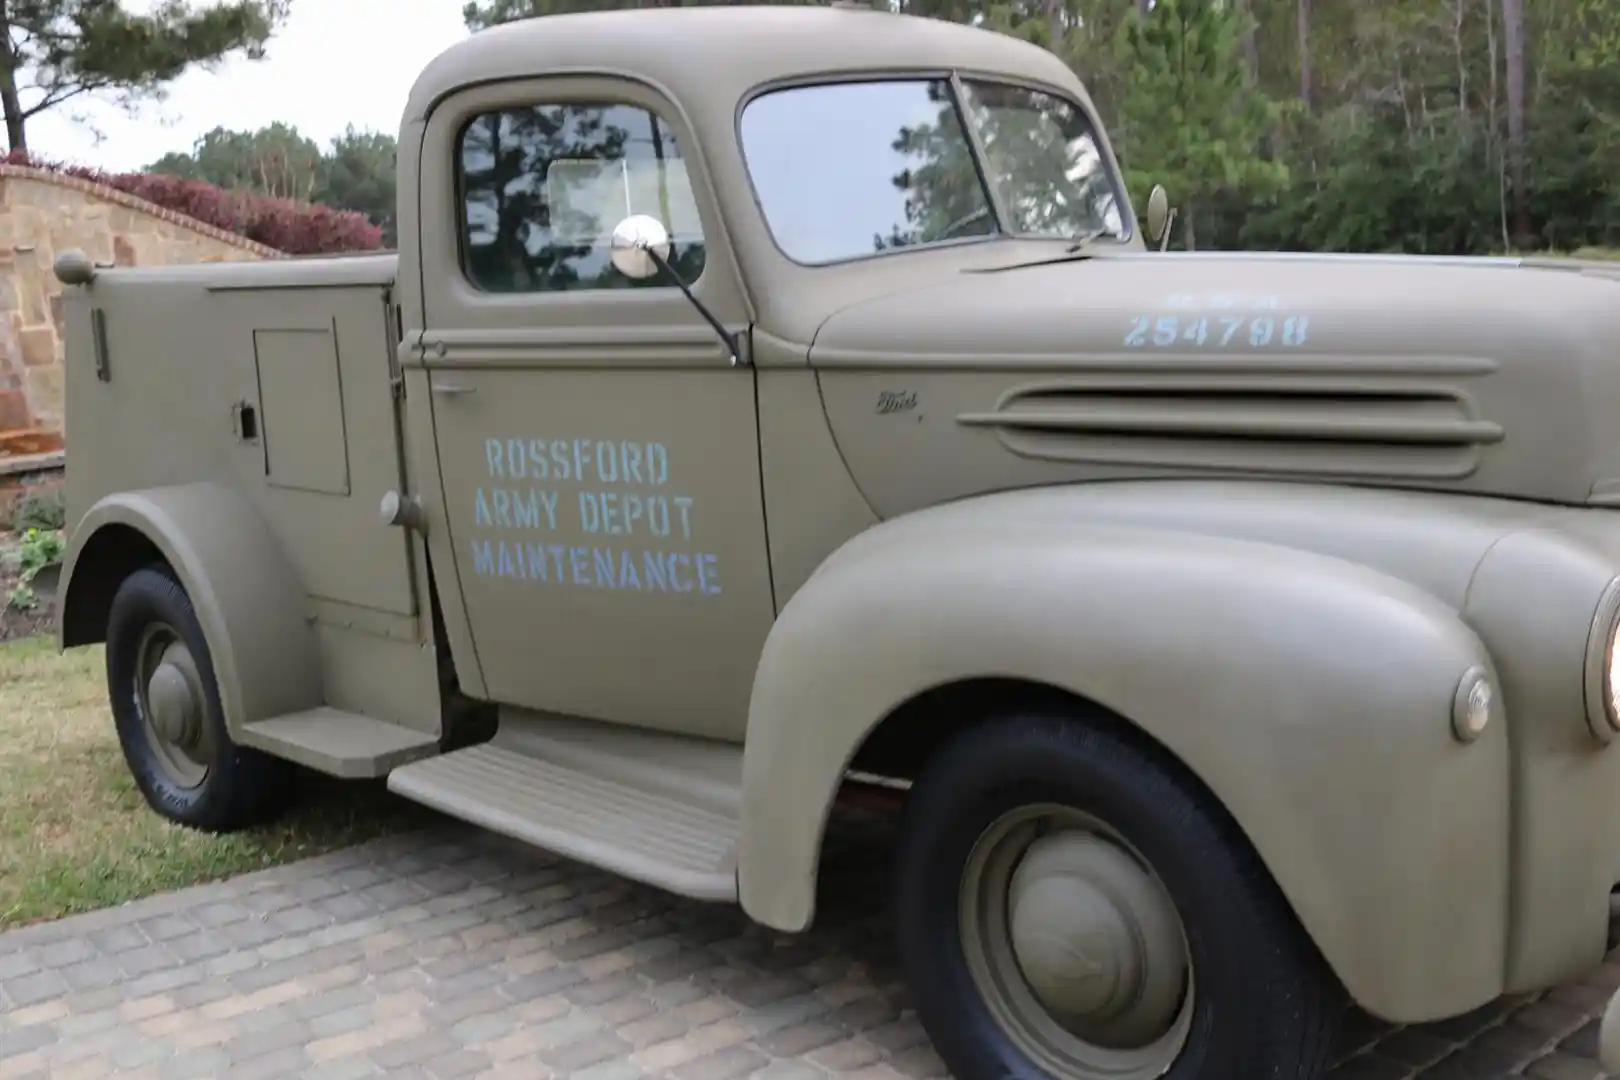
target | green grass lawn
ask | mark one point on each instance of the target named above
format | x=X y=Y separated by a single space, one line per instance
x=75 y=834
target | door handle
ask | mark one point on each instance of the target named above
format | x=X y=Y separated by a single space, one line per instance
x=452 y=389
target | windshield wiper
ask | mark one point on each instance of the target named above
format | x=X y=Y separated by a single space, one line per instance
x=1078 y=243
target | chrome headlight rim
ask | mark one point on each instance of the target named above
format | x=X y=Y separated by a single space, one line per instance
x=1602 y=674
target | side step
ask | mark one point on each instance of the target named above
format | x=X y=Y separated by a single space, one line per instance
x=343 y=744
x=656 y=808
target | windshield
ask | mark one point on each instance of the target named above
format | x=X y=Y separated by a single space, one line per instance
x=844 y=170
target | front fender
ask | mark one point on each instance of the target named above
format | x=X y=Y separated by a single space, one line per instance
x=246 y=595
x=1311 y=695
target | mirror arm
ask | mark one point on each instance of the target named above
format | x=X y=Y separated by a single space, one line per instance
x=726 y=337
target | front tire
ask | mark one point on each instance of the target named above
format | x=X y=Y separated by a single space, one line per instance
x=166 y=705
x=1070 y=906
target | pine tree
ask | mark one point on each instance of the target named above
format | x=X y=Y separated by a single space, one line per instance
x=1192 y=120
x=53 y=51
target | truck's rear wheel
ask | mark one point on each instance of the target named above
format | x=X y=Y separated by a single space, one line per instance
x=165 y=702
x=1069 y=906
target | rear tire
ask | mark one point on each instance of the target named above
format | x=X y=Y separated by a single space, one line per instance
x=165 y=703
x=1139 y=936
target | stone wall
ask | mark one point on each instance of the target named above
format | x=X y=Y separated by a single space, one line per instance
x=41 y=214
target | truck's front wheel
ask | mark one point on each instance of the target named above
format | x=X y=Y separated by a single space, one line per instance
x=165 y=702
x=1070 y=907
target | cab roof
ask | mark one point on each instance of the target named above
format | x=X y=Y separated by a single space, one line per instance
x=712 y=56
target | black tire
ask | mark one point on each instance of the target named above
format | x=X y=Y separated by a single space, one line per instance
x=1265 y=1006
x=242 y=787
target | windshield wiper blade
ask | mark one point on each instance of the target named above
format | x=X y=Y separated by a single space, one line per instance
x=1079 y=242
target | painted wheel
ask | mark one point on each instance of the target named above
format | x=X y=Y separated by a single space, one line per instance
x=1071 y=906
x=165 y=702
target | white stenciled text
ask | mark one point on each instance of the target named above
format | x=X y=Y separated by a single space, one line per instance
x=608 y=461
x=606 y=513
x=1225 y=331
x=598 y=567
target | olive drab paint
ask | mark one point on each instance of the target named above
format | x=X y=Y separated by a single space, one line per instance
x=1339 y=534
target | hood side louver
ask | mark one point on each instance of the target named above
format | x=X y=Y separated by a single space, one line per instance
x=1313 y=426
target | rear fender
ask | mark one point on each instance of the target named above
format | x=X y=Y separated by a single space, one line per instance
x=1311 y=696
x=226 y=557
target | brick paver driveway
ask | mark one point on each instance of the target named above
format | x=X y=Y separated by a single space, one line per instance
x=457 y=954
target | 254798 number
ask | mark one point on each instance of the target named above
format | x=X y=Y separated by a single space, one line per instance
x=1218 y=331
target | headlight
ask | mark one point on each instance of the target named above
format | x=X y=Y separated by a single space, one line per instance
x=1603 y=667
x=1611 y=680
x=1473 y=705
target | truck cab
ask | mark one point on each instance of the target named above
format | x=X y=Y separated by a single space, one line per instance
x=766 y=401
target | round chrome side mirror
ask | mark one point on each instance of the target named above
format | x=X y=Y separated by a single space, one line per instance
x=1158 y=214
x=633 y=238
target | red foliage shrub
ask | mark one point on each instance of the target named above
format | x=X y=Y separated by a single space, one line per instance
x=292 y=227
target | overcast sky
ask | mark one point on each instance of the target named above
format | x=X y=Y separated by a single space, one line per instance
x=335 y=62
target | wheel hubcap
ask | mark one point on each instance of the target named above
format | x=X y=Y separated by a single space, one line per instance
x=1076 y=947
x=169 y=694
x=174 y=707
x=1096 y=940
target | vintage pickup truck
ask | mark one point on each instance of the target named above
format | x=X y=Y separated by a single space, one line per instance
x=1238 y=629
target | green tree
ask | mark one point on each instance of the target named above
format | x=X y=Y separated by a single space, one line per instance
x=275 y=160
x=482 y=14
x=1190 y=116
x=53 y=51
x=359 y=172
x=355 y=172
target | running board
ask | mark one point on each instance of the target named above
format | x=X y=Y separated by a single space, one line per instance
x=339 y=743
x=651 y=807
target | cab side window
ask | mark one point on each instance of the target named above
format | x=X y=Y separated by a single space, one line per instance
x=541 y=188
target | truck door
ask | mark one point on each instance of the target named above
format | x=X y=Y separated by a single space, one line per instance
x=597 y=450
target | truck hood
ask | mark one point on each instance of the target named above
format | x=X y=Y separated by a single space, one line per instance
x=1496 y=376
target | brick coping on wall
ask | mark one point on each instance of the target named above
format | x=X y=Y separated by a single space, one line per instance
x=14 y=465
x=106 y=193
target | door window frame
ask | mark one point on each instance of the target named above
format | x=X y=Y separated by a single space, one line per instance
x=451 y=300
